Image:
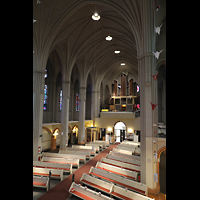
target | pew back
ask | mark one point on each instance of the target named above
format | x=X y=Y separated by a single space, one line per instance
x=127 y=152
x=74 y=152
x=122 y=181
x=123 y=159
x=65 y=167
x=85 y=193
x=74 y=162
x=96 y=183
x=124 y=193
x=120 y=164
x=55 y=173
x=41 y=182
x=66 y=156
x=125 y=155
x=121 y=172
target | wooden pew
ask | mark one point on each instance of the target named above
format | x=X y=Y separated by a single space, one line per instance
x=90 y=147
x=96 y=146
x=66 y=167
x=41 y=182
x=119 y=180
x=74 y=152
x=92 y=152
x=132 y=157
x=96 y=183
x=74 y=162
x=126 y=148
x=117 y=170
x=55 y=173
x=82 y=158
x=137 y=152
x=130 y=143
x=125 y=194
x=110 y=188
x=120 y=164
x=122 y=151
x=105 y=143
x=124 y=159
x=85 y=193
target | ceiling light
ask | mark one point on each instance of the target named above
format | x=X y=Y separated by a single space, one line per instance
x=108 y=38
x=117 y=51
x=96 y=16
x=122 y=63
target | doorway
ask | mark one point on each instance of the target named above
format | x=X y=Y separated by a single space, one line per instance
x=162 y=171
x=120 y=131
x=74 y=136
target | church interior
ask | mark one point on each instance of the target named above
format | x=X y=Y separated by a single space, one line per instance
x=99 y=99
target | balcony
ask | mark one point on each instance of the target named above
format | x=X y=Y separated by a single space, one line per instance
x=114 y=114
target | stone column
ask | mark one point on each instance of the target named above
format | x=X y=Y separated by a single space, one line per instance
x=81 y=130
x=144 y=64
x=65 y=114
x=38 y=98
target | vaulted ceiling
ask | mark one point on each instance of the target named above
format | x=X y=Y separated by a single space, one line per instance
x=69 y=23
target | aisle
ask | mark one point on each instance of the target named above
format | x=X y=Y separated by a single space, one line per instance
x=60 y=191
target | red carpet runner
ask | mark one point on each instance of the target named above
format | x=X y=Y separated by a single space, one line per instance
x=60 y=191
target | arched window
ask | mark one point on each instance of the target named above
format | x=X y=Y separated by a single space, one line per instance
x=77 y=102
x=45 y=92
x=60 y=99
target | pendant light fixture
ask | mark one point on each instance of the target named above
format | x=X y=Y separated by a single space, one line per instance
x=96 y=16
x=108 y=38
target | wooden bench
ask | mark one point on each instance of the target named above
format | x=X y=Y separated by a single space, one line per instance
x=122 y=151
x=96 y=146
x=117 y=170
x=66 y=167
x=92 y=147
x=137 y=151
x=119 y=180
x=96 y=183
x=85 y=193
x=74 y=152
x=126 y=148
x=125 y=194
x=55 y=173
x=41 y=182
x=124 y=159
x=121 y=164
x=92 y=152
x=74 y=162
x=82 y=158
x=104 y=143
x=110 y=188
x=132 y=157
x=130 y=143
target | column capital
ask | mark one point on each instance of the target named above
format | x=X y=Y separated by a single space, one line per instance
x=39 y=71
x=66 y=81
x=144 y=55
x=82 y=88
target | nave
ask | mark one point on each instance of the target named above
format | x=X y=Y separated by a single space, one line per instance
x=60 y=190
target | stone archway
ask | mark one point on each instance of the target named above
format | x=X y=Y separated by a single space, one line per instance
x=161 y=169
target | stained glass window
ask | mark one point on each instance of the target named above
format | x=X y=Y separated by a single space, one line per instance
x=77 y=102
x=45 y=76
x=60 y=99
x=45 y=97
